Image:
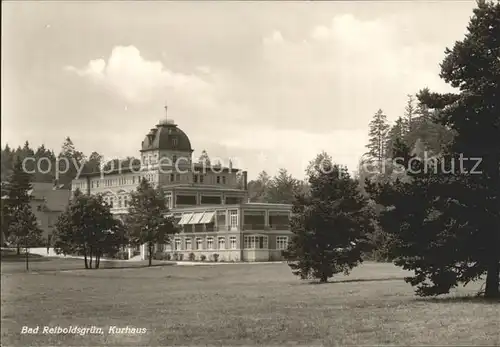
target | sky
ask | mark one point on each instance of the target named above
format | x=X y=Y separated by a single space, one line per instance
x=267 y=84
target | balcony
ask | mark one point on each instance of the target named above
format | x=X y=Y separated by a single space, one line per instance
x=260 y=227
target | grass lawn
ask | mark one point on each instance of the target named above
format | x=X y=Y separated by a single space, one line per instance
x=235 y=305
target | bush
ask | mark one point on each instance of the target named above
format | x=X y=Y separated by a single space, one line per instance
x=158 y=256
x=181 y=257
x=168 y=256
x=215 y=257
x=175 y=256
x=121 y=255
x=192 y=257
x=203 y=257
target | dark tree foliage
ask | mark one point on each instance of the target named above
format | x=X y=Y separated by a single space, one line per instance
x=146 y=221
x=88 y=228
x=18 y=222
x=331 y=225
x=446 y=219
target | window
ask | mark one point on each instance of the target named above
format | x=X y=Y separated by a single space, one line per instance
x=178 y=177
x=222 y=243
x=119 y=201
x=195 y=178
x=201 y=178
x=177 y=244
x=174 y=160
x=172 y=177
x=232 y=242
x=223 y=179
x=174 y=142
x=282 y=242
x=97 y=184
x=133 y=179
x=125 y=201
x=168 y=200
x=218 y=179
x=111 y=202
x=199 y=243
x=233 y=218
x=255 y=242
x=210 y=243
x=188 y=244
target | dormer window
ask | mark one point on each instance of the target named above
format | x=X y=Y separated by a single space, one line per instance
x=174 y=142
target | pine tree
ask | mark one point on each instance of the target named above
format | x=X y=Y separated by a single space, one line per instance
x=446 y=221
x=331 y=226
x=282 y=188
x=377 y=145
x=398 y=131
x=16 y=196
x=146 y=221
x=75 y=159
x=204 y=159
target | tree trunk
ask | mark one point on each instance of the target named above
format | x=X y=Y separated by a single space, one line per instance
x=150 y=250
x=90 y=262
x=85 y=257
x=323 y=278
x=493 y=281
x=97 y=260
x=18 y=249
x=27 y=261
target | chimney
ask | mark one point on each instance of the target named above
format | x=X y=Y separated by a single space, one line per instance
x=245 y=178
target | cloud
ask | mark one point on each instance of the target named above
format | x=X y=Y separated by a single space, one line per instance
x=342 y=72
x=129 y=74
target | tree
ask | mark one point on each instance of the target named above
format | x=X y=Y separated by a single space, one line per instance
x=282 y=188
x=204 y=159
x=16 y=195
x=74 y=159
x=146 y=221
x=397 y=131
x=409 y=115
x=330 y=225
x=88 y=228
x=24 y=230
x=93 y=164
x=446 y=223
x=377 y=144
x=257 y=189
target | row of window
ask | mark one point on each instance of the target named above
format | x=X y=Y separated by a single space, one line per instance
x=250 y=242
x=110 y=182
x=121 y=200
x=221 y=244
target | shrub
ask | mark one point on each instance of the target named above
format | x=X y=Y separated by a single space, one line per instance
x=158 y=256
x=181 y=257
x=121 y=255
x=168 y=256
x=175 y=256
x=192 y=257
x=203 y=257
x=215 y=257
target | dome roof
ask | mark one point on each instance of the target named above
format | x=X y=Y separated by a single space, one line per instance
x=166 y=136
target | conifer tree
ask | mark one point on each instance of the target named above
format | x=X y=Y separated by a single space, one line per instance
x=331 y=226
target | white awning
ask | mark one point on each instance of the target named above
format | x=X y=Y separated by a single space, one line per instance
x=196 y=218
x=185 y=218
x=208 y=217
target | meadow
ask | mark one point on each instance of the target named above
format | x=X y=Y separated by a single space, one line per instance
x=234 y=304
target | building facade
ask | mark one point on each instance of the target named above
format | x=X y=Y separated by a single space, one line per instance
x=47 y=202
x=209 y=204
